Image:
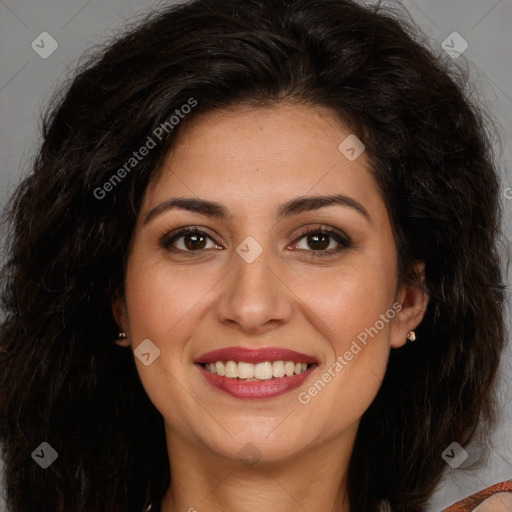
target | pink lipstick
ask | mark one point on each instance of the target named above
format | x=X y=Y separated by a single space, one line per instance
x=255 y=373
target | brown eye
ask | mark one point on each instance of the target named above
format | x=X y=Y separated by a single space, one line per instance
x=322 y=242
x=318 y=241
x=194 y=241
x=188 y=241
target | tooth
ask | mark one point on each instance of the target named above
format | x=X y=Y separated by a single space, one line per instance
x=231 y=370
x=263 y=371
x=220 y=368
x=278 y=368
x=245 y=370
x=289 y=368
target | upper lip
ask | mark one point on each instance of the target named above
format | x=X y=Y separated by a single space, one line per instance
x=258 y=355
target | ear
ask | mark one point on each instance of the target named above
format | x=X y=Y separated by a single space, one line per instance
x=120 y=313
x=413 y=300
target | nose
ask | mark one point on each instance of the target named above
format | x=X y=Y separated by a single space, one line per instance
x=254 y=297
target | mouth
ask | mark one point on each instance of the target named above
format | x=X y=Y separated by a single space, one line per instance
x=251 y=374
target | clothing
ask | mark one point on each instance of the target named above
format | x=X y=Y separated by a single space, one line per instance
x=475 y=502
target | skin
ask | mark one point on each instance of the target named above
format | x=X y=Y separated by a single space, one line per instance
x=499 y=502
x=252 y=160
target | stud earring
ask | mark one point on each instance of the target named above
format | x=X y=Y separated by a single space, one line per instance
x=411 y=335
x=122 y=339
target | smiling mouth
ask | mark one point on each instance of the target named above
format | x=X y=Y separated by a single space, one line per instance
x=264 y=371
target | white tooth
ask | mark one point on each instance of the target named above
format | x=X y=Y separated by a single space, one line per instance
x=263 y=371
x=278 y=368
x=231 y=370
x=245 y=370
x=260 y=371
x=220 y=368
x=289 y=368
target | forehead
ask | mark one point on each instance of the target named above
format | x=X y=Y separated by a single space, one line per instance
x=263 y=155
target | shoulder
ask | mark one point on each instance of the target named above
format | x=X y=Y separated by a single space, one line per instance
x=496 y=498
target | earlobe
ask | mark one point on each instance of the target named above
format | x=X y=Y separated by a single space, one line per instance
x=120 y=315
x=123 y=340
x=414 y=301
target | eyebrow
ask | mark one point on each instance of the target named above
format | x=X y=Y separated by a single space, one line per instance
x=293 y=207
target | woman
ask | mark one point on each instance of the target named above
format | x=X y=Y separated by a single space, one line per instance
x=254 y=268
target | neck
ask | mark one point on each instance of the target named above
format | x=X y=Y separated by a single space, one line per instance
x=312 y=480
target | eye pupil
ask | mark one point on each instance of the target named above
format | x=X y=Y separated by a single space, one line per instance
x=194 y=241
x=319 y=241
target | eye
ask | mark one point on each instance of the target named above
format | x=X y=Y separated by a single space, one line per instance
x=323 y=241
x=188 y=240
x=317 y=241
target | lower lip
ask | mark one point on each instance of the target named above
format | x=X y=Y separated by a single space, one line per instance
x=256 y=389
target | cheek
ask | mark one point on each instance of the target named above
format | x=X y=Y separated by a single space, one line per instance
x=348 y=300
x=348 y=303
x=358 y=344
x=163 y=307
x=162 y=302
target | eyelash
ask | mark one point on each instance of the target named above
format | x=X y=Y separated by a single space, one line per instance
x=167 y=239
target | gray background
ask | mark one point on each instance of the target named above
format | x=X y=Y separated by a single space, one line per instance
x=27 y=80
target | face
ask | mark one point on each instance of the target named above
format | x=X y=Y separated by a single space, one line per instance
x=264 y=270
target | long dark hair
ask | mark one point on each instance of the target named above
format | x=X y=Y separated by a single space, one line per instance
x=63 y=381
